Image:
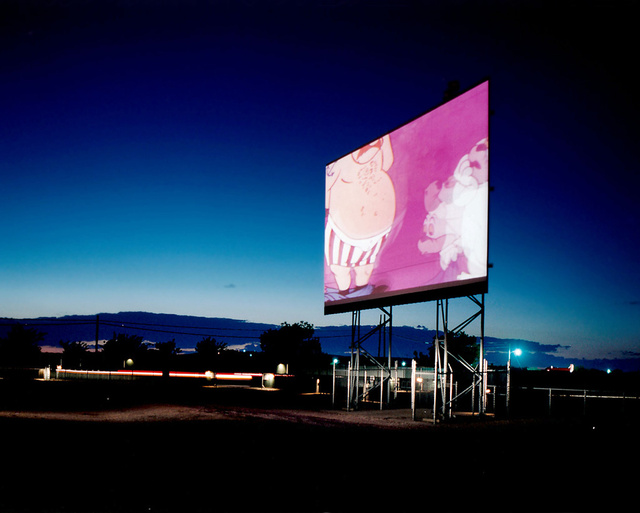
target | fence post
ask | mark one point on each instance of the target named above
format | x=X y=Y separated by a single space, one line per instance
x=349 y=387
x=473 y=396
x=381 y=386
x=333 y=390
x=413 y=389
x=396 y=383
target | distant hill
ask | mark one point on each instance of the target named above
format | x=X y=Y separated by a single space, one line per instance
x=188 y=330
x=185 y=329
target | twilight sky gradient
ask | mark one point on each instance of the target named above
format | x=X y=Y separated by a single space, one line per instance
x=170 y=156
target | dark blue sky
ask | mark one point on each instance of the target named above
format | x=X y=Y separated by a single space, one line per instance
x=169 y=156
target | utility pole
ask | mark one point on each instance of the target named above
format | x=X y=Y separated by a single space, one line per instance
x=97 y=331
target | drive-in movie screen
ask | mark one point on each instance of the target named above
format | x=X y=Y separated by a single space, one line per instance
x=406 y=215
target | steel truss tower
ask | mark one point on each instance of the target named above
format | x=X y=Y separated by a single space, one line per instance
x=444 y=398
x=356 y=393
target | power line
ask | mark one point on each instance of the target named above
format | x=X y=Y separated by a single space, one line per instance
x=142 y=326
x=119 y=325
x=172 y=332
x=188 y=327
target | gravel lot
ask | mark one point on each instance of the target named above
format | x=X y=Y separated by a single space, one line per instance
x=386 y=419
x=109 y=449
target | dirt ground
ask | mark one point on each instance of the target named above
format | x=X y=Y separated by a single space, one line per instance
x=385 y=419
x=70 y=449
x=96 y=402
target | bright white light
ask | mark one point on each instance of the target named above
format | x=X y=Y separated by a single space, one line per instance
x=517 y=352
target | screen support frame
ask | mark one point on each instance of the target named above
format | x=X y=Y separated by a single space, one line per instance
x=384 y=329
x=358 y=389
x=443 y=377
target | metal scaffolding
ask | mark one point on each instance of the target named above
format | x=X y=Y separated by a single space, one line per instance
x=358 y=386
x=444 y=397
x=376 y=380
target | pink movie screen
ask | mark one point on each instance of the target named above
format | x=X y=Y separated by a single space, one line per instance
x=406 y=215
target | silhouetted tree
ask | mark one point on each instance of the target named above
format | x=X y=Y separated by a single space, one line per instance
x=209 y=347
x=291 y=343
x=165 y=353
x=210 y=352
x=20 y=347
x=73 y=353
x=423 y=360
x=121 y=347
x=465 y=346
x=459 y=344
x=167 y=349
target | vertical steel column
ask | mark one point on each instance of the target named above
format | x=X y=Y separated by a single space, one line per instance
x=380 y=336
x=390 y=338
x=436 y=375
x=353 y=363
x=436 y=362
x=482 y=405
x=445 y=358
x=357 y=378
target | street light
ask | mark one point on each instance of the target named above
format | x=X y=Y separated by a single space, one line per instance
x=333 y=393
x=517 y=352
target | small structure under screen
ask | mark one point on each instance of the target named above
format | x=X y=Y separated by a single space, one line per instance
x=406 y=216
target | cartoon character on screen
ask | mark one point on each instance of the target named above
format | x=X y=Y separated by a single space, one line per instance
x=361 y=206
x=456 y=221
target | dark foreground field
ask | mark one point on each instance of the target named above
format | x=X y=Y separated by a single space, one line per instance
x=131 y=448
